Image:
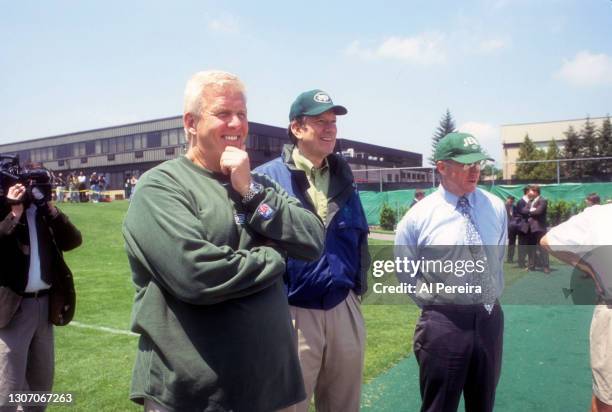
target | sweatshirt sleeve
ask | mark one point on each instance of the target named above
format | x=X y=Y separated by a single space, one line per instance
x=164 y=244
x=282 y=219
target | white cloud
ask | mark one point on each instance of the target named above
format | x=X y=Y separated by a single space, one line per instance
x=225 y=24
x=587 y=69
x=425 y=49
x=491 y=45
x=488 y=136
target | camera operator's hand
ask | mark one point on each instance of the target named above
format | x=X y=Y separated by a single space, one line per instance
x=15 y=199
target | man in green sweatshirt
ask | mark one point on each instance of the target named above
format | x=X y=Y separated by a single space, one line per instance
x=207 y=241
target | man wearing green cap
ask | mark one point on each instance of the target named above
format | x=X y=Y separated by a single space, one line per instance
x=323 y=295
x=458 y=338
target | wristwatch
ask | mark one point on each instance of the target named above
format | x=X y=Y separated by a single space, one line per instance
x=254 y=189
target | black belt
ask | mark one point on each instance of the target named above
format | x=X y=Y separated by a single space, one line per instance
x=40 y=293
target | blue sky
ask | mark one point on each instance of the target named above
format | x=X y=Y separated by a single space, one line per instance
x=68 y=66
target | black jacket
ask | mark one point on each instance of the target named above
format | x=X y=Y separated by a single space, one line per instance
x=56 y=235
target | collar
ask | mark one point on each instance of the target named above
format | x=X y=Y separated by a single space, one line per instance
x=452 y=198
x=303 y=163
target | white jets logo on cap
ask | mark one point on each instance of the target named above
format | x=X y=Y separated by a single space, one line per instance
x=322 y=98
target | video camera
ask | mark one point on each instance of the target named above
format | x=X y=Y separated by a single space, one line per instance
x=37 y=181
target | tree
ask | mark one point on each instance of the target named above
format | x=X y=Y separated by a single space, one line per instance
x=491 y=170
x=572 y=151
x=604 y=142
x=548 y=170
x=446 y=126
x=588 y=148
x=528 y=151
x=387 y=217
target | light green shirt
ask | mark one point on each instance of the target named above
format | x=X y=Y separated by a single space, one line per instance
x=318 y=179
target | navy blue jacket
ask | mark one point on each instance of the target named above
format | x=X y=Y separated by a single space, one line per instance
x=343 y=266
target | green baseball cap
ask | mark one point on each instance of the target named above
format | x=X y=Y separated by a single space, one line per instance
x=313 y=103
x=460 y=147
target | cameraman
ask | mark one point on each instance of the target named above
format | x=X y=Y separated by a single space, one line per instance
x=33 y=234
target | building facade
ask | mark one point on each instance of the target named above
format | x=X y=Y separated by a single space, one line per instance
x=540 y=133
x=132 y=149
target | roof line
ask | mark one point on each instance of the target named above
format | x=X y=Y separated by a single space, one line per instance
x=557 y=121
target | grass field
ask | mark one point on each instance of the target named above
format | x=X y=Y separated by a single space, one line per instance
x=96 y=365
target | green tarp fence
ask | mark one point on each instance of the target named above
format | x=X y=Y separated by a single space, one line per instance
x=400 y=200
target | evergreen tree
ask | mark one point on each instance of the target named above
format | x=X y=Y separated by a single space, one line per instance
x=527 y=151
x=604 y=142
x=572 y=151
x=548 y=170
x=588 y=148
x=446 y=126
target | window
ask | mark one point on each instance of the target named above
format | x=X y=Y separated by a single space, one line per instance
x=110 y=157
x=104 y=145
x=90 y=148
x=173 y=137
x=138 y=154
x=83 y=160
x=181 y=135
x=60 y=163
x=138 y=142
x=78 y=149
x=170 y=150
x=129 y=143
x=154 y=139
x=120 y=144
x=40 y=155
x=64 y=150
x=164 y=138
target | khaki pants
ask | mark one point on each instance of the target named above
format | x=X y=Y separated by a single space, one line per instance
x=26 y=352
x=331 y=346
x=601 y=353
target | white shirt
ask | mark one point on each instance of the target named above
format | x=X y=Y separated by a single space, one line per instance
x=589 y=235
x=436 y=221
x=35 y=282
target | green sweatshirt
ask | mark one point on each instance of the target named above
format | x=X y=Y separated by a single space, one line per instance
x=210 y=306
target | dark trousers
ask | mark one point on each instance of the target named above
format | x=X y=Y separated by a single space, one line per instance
x=512 y=235
x=537 y=255
x=523 y=241
x=459 y=350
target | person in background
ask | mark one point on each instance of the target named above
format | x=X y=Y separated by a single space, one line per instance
x=133 y=182
x=514 y=224
x=522 y=227
x=127 y=187
x=60 y=187
x=73 y=186
x=418 y=196
x=536 y=209
x=82 y=187
x=592 y=199
x=93 y=187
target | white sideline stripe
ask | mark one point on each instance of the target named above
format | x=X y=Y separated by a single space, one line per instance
x=103 y=329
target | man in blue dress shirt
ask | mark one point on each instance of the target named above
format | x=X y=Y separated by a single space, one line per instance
x=459 y=234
